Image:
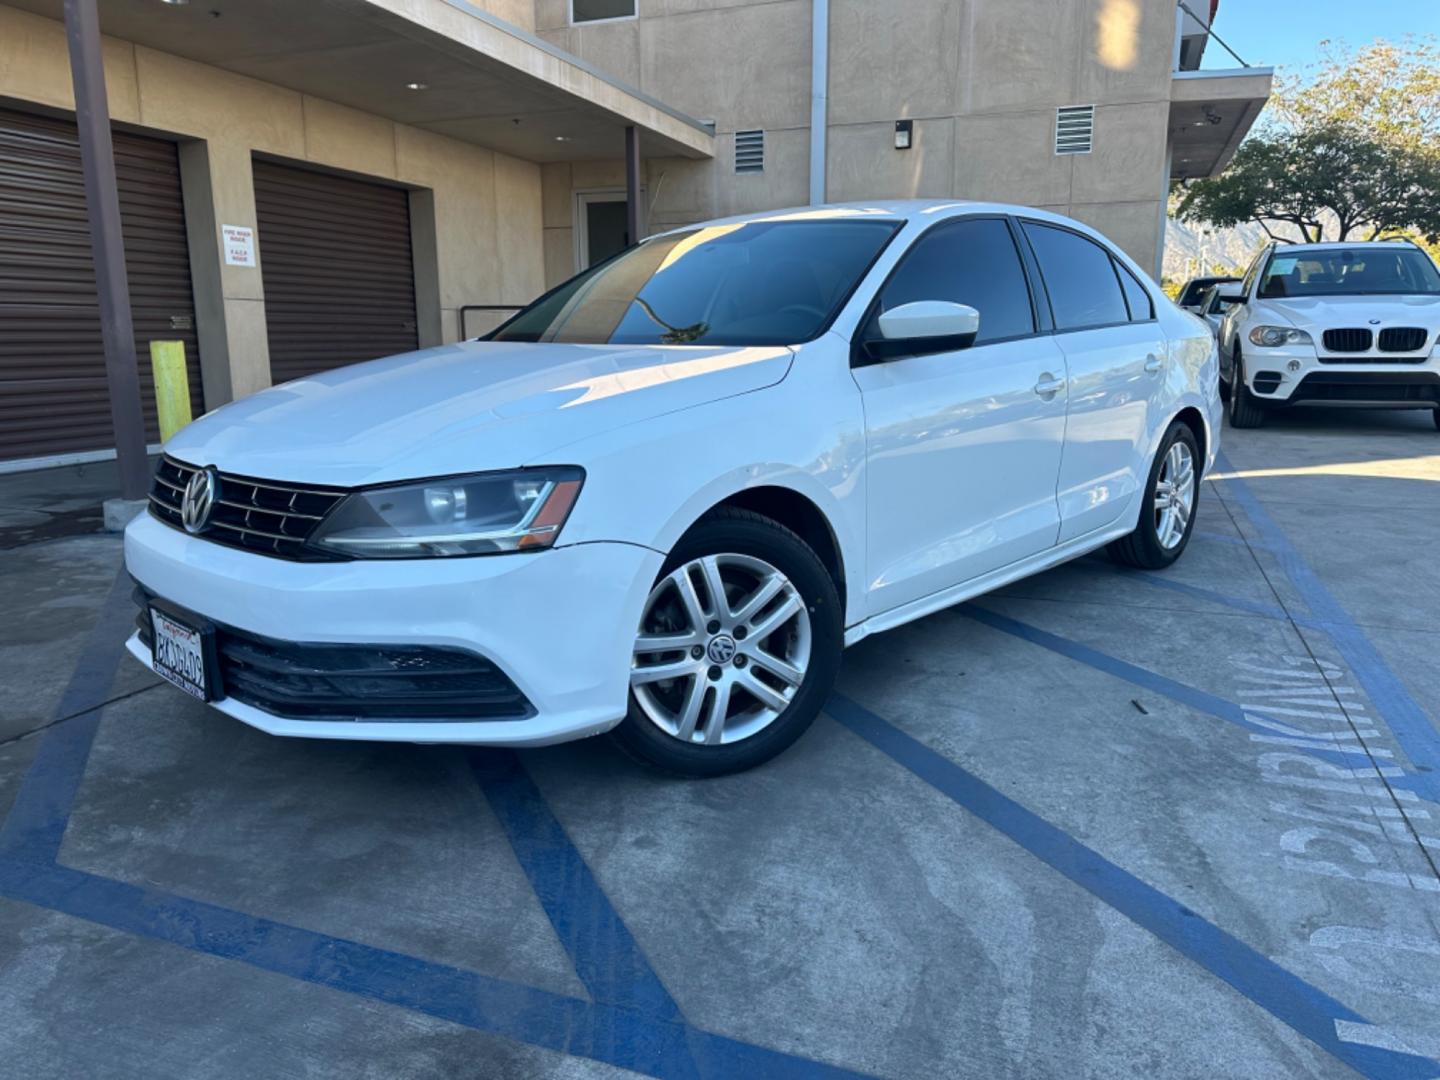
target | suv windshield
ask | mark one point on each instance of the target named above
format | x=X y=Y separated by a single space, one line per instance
x=759 y=283
x=1392 y=270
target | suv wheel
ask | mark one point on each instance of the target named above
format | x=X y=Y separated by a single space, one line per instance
x=737 y=649
x=1245 y=410
x=1167 y=514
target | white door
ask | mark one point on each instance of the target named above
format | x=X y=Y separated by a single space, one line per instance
x=963 y=448
x=1116 y=354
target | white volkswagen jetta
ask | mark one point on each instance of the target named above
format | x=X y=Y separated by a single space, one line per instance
x=666 y=495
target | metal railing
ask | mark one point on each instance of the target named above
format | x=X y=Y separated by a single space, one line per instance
x=1211 y=33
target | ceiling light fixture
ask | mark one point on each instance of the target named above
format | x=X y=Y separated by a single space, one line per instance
x=175 y=3
x=408 y=85
x=562 y=138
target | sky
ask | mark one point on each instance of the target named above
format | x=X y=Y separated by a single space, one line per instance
x=1285 y=32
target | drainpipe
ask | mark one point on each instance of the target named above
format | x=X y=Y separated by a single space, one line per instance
x=819 y=86
x=102 y=201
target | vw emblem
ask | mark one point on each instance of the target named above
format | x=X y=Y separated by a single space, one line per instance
x=721 y=649
x=199 y=499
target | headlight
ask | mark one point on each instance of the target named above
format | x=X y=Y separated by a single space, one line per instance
x=1274 y=336
x=484 y=514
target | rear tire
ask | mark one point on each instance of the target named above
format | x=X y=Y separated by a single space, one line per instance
x=1167 y=513
x=682 y=725
x=1245 y=410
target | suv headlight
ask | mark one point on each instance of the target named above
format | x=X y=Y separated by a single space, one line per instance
x=1272 y=337
x=483 y=514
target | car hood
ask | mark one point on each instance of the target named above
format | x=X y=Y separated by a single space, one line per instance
x=463 y=408
x=1322 y=312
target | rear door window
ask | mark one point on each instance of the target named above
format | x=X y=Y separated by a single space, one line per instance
x=1080 y=278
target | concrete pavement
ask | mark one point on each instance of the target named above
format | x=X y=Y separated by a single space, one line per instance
x=1101 y=823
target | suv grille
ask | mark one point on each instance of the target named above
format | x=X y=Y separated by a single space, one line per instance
x=1403 y=339
x=263 y=516
x=1356 y=339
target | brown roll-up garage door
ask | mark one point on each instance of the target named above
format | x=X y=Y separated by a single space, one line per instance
x=53 y=394
x=339 y=278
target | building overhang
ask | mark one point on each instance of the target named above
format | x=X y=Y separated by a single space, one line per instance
x=484 y=80
x=1210 y=112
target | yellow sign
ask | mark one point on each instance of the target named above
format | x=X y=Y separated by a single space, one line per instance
x=172 y=387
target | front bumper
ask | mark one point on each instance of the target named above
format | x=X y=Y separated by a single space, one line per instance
x=560 y=624
x=1373 y=381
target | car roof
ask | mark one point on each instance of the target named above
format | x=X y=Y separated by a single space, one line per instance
x=1347 y=245
x=905 y=210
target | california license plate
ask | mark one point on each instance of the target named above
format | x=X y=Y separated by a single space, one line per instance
x=180 y=654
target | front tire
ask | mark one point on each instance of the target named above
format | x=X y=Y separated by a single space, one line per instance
x=1167 y=514
x=737 y=650
x=1245 y=410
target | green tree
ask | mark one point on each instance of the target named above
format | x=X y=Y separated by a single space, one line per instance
x=1351 y=147
x=1328 y=182
x=1393 y=90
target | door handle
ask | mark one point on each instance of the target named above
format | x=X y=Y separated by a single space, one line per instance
x=1152 y=364
x=1048 y=385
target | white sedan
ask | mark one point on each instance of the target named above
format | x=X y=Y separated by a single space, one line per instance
x=665 y=496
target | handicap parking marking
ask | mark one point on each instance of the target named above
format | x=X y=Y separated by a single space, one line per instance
x=605 y=955
x=1303 y=1007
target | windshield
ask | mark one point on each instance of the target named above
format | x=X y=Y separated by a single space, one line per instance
x=1390 y=270
x=760 y=283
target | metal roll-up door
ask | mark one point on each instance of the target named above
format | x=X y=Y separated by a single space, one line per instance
x=338 y=273
x=53 y=395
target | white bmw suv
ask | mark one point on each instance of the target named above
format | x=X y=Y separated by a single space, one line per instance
x=1334 y=323
x=664 y=497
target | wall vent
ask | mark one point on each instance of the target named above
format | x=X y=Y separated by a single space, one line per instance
x=1074 y=129
x=749 y=151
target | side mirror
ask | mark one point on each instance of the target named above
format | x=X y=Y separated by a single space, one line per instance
x=924 y=326
x=1232 y=296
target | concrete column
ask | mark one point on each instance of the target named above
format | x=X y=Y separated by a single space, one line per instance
x=632 y=184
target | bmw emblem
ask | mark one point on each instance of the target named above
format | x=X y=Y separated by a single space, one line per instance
x=201 y=492
x=1374 y=322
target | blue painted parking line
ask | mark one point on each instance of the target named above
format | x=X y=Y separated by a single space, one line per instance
x=606 y=956
x=1413 y=729
x=1182 y=693
x=1306 y=1009
x=607 y=1033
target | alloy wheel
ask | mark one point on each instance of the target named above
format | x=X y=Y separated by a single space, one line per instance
x=1174 y=495
x=723 y=648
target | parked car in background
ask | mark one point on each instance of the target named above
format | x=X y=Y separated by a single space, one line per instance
x=1212 y=308
x=1337 y=323
x=1192 y=294
x=663 y=498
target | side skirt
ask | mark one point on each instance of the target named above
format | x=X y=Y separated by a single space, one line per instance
x=958 y=594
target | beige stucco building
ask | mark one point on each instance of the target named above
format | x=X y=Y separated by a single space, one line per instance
x=397 y=171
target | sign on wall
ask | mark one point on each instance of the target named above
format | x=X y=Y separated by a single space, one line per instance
x=239 y=245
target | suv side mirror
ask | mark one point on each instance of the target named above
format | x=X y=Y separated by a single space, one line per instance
x=923 y=326
x=1232 y=296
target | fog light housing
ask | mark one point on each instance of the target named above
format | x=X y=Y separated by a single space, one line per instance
x=1293 y=366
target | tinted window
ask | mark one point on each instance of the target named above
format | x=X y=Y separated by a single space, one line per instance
x=591 y=10
x=1374 y=271
x=1141 y=309
x=967 y=262
x=1080 y=278
x=762 y=283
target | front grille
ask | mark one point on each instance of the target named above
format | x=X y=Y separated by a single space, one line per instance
x=264 y=516
x=1420 y=387
x=1354 y=339
x=356 y=682
x=1403 y=339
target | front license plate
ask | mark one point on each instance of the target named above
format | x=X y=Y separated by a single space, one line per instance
x=180 y=654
